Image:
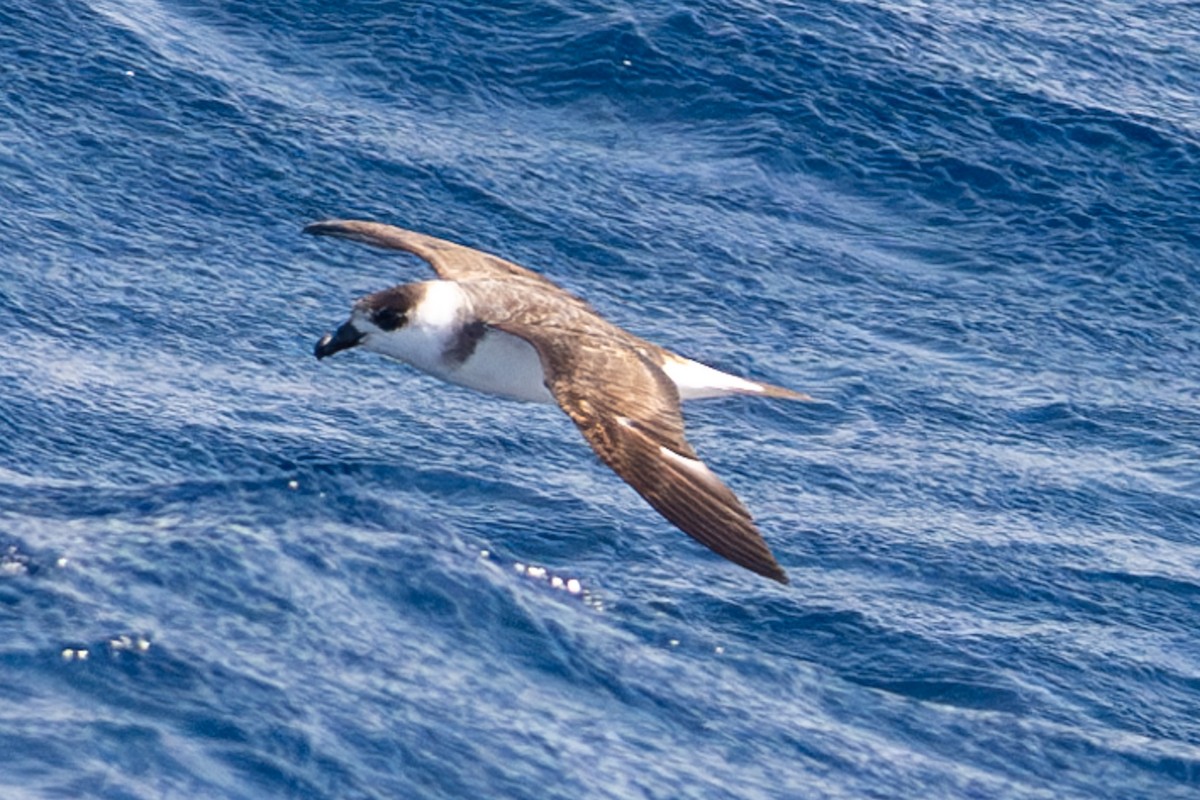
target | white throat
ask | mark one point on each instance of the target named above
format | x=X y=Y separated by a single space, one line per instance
x=431 y=325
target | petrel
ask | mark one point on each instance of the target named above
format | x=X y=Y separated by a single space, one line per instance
x=497 y=327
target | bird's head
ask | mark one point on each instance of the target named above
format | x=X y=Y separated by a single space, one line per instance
x=378 y=322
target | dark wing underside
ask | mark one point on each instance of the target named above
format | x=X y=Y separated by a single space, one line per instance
x=628 y=410
x=451 y=262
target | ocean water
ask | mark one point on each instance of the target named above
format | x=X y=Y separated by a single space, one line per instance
x=970 y=229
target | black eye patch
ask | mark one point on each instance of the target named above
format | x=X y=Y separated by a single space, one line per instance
x=388 y=319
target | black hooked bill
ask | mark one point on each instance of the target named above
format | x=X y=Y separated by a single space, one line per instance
x=343 y=338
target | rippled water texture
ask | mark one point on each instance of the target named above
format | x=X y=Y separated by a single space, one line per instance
x=969 y=229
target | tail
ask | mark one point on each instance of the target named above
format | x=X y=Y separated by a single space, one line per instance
x=696 y=381
x=769 y=390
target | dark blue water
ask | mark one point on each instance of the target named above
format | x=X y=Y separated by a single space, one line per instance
x=970 y=228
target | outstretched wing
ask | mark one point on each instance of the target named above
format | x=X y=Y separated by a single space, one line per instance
x=628 y=410
x=451 y=262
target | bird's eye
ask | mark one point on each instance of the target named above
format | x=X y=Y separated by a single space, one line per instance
x=388 y=319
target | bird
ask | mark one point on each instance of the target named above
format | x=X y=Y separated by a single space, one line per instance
x=495 y=326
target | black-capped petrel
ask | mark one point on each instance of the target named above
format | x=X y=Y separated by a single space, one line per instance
x=497 y=327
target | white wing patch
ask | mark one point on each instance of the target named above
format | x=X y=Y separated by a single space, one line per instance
x=692 y=465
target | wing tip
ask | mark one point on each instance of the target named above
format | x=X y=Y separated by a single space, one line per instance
x=382 y=235
x=375 y=233
x=325 y=227
x=775 y=573
x=761 y=562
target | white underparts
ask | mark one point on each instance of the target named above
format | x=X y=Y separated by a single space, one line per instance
x=498 y=363
x=505 y=365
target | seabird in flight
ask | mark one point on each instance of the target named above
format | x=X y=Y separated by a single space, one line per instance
x=497 y=327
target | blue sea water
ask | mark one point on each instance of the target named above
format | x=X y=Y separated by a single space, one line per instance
x=970 y=229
